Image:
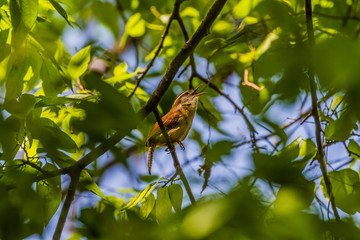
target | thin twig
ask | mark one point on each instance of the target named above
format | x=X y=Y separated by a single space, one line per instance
x=186 y=37
x=174 y=157
x=173 y=15
x=321 y=158
x=218 y=90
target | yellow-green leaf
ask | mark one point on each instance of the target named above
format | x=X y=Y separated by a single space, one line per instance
x=176 y=196
x=135 y=26
x=79 y=63
x=147 y=205
x=163 y=205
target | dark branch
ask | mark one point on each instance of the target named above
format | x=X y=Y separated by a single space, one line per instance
x=321 y=158
x=67 y=203
x=174 y=157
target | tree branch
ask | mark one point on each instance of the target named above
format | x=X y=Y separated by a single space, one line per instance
x=173 y=16
x=321 y=158
x=174 y=157
x=180 y=58
x=164 y=84
x=67 y=203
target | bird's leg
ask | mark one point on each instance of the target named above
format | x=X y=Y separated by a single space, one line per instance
x=182 y=147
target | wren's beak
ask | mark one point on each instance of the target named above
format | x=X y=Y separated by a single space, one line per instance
x=198 y=94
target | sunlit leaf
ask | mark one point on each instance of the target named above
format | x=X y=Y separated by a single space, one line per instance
x=29 y=10
x=340 y=129
x=176 y=196
x=147 y=205
x=60 y=10
x=51 y=136
x=52 y=101
x=290 y=199
x=79 y=62
x=53 y=81
x=291 y=151
x=135 y=200
x=135 y=26
x=87 y=182
x=163 y=205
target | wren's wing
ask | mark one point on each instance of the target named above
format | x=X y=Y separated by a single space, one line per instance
x=169 y=123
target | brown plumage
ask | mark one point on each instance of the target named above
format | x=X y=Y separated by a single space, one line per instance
x=177 y=123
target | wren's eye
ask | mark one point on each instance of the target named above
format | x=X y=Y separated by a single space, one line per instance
x=186 y=93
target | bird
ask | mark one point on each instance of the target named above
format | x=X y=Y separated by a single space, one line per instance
x=177 y=123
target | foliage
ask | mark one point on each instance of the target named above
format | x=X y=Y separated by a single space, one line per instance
x=70 y=116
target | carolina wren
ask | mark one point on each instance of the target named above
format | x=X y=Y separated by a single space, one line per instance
x=177 y=123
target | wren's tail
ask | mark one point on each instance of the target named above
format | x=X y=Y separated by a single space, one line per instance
x=150 y=156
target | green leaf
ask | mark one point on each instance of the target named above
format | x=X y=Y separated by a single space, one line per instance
x=52 y=101
x=148 y=178
x=15 y=12
x=340 y=129
x=87 y=182
x=291 y=151
x=29 y=10
x=79 y=62
x=293 y=198
x=147 y=205
x=190 y=12
x=163 y=205
x=5 y=48
x=112 y=112
x=60 y=10
x=2 y=2
x=18 y=66
x=135 y=26
x=52 y=80
x=243 y=8
x=176 y=196
x=354 y=149
x=51 y=136
x=307 y=149
x=222 y=27
x=346 y=189
x=11 y=128
x=337 y=99
x=135 y=200
x=22 y=108
x=121 y=74
x=50 y=191
x=154 y=186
